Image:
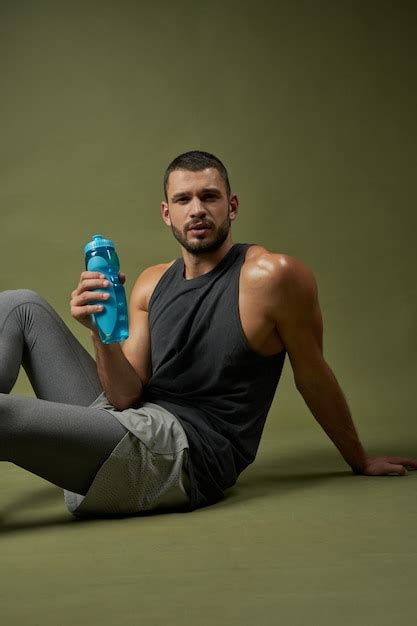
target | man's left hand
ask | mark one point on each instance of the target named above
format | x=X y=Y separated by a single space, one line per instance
x=387 y=465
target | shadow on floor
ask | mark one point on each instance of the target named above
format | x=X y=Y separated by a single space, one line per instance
x=49 y=495
x=267 y=477
x=36 y=499
x=270 y=475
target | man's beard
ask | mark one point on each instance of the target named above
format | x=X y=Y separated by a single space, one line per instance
x=206 y=245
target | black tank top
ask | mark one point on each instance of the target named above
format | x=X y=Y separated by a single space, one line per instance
x=207 y=375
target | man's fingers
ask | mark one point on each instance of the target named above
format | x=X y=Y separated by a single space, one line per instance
x=82 y=313
x=410 y=463
x=403 y=460
x=87 y=274
x=88 y=284
x=398 y=469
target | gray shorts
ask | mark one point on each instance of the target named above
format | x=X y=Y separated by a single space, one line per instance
x=146 y=471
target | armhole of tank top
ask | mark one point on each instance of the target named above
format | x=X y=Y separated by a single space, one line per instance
x=238 y=322
x=158 y=285
x=236 y=312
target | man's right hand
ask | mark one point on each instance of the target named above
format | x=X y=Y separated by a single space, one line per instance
x=82 y=296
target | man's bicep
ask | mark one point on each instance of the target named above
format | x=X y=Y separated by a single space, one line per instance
x=299 y=322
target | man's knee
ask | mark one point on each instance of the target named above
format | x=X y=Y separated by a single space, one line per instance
x=25 y=301
x=26 y=307
x=21 y=296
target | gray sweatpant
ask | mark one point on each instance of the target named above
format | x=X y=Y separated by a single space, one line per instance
x=55 y=435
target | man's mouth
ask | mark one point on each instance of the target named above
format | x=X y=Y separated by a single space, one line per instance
x=200 y=226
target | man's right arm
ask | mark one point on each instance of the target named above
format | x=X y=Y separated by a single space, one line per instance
x=121 y=383
x=123 y=368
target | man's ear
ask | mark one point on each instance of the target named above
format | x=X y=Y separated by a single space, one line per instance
x=165 y=213
x=233 y=206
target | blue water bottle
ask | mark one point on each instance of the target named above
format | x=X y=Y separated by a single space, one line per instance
x=112 y=321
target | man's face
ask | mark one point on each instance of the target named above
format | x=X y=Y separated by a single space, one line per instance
x=199 y=199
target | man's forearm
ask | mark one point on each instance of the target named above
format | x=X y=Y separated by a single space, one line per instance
x=120 y=381
x=327 y=403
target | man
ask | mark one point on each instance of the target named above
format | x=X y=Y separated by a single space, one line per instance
x=184 y=399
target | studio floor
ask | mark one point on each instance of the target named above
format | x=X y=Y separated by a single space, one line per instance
x=299 y=540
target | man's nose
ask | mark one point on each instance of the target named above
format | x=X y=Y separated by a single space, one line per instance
x=198 y=209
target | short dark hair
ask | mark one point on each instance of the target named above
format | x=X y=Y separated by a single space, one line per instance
x=195 y=161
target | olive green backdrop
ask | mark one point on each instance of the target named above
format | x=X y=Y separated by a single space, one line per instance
x=311 y=106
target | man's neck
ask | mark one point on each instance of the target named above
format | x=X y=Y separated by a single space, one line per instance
x=197 y=265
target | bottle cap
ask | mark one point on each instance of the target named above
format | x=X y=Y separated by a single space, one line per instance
x=97 y=241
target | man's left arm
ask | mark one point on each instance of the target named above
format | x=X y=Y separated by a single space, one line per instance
x=294 y=305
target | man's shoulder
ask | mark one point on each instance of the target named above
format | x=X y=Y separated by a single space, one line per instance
x=263 y=265
x=146 y=282
x=277 y=280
